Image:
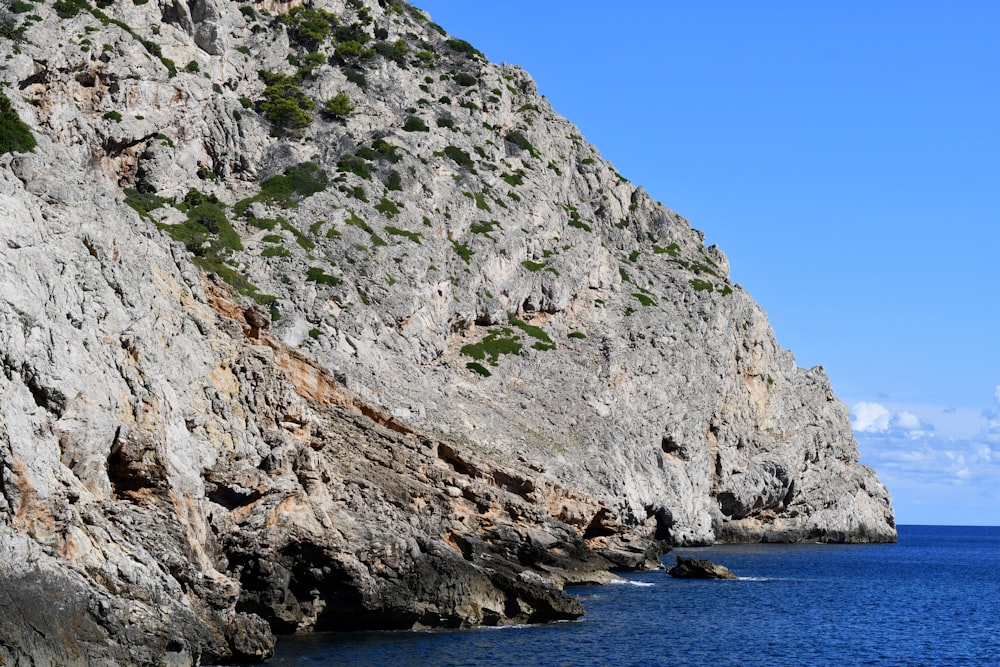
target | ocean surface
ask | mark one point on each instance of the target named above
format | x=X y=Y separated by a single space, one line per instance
x=931 y=599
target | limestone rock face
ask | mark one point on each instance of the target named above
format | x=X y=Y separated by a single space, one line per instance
x=373 y=339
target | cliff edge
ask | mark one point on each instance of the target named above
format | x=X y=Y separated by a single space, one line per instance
x=313 y=318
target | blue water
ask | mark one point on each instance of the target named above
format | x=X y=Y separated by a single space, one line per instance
x=931 y=599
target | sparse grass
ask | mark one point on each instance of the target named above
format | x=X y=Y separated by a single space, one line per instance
x=533 y=266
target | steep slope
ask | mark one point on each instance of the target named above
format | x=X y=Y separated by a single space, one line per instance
x=314 y=318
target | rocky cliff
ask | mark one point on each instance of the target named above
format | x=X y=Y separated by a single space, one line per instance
x=313 y=318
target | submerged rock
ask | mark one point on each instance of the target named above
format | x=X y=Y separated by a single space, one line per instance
x=696 y=568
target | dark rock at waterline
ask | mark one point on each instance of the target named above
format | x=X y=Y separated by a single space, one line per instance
x=696 y=568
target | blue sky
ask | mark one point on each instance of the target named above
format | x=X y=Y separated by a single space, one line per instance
x=846 y=157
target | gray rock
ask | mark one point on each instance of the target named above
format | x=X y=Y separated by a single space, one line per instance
x=699 y=568
x=471 y=367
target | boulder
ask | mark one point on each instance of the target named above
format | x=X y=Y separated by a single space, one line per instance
x=697 y=568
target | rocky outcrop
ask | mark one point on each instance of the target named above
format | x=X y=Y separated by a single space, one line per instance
x=699 y=568
x=312 y=318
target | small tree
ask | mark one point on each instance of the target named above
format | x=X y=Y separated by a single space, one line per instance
x=285 y=105
x=338 y=107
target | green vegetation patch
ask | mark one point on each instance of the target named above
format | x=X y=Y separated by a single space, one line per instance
x=143 y=202
x=477 y=367
x=700 y=285
x=415 y=124
x=284 y=104
x=517 y=138
x=577 y=334
x=288 y=189
x=308 y=27
x=462 y=250
x=396 y=231
x=463 y=47
x=484 y=227
x=496 y=343
x=531 y=330
x=338 y=107
x=316 y=274
x=517 y=178
x=389 y=209
x=673 y=250
x=533 y=266
x=460 y=157
x=644 y=299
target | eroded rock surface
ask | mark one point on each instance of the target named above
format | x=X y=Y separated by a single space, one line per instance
x=699 y=568
x=373 y=339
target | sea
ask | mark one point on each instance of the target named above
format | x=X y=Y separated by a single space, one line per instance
x=931 y=599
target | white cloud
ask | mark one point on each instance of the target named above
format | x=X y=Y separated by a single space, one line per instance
x=871 y=417
x=907 y=421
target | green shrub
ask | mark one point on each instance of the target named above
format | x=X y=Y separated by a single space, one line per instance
x=287 y=189
x=644 y=299
x=67 y=9
x=284 y=104
x=464 y=79
x=517 y=138
x=113 y=115
x=477 y=367
x=143 y=202
x=352 y=51
x=700 y=285
x=445 y=122
x=396 y=52
x=462 y=250
x=460 y=157
x=308 y=27
x=192 y=67
x=463 y=47
x=533 y=266
x=394 y=181
x=275 y=251
x=15 y=135
x=517 y=178
x=338 y=107
x=316 y=275
x=577 y=334
x=415 y=124
x=355 y=77
x=496 y=343
x=531 y=330
x=484 y=227
x=673 y=250
x=387 y=208
x=354 y=164
x=396 y=231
